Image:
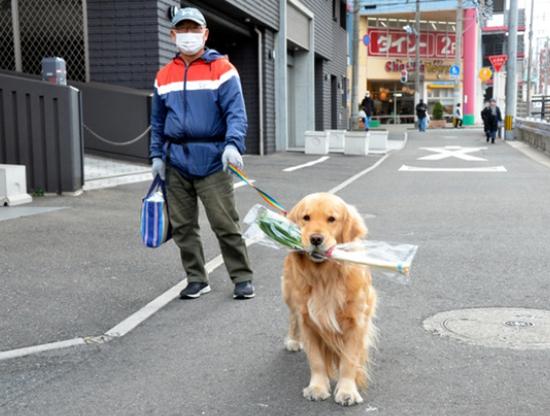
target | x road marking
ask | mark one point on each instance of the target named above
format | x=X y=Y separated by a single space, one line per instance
x=458 y=152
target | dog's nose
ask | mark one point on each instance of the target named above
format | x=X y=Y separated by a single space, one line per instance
x=316 y=239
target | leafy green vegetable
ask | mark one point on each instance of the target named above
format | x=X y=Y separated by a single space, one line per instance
x=280 y=230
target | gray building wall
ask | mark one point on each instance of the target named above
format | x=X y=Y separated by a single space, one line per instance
x=330 y=44
x=268 y=13
x=128 y=41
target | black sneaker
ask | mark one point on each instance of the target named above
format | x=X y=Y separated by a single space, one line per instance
x=194 y=290
x=244 y=290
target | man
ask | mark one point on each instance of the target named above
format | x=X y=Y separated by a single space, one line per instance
x=422 y=115
x=198 y=127
x=494 y=118
x=457 y=120
x=368 y=107
x=484 y=116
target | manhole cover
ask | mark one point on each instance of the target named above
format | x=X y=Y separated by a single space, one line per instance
x=516 y=328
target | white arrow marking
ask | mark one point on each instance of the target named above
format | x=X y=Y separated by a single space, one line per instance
x=458 y=152
x=489 y=169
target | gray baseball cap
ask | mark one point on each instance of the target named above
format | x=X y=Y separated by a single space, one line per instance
x=188 y=13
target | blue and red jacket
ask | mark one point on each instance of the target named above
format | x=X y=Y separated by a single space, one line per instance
x=198 y=109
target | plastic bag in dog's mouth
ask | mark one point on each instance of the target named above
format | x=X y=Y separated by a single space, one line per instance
x=273 y=230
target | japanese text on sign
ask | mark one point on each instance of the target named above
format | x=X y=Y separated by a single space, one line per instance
x=398 y=43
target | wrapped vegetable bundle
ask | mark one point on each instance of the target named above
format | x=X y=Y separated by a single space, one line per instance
x=274 y=230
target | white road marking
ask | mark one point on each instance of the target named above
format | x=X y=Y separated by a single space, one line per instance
x=349 y=181
x=489 y=169
x=305 y=165
x=458 y=152
x=35 y=349
x=123 y=327
x=352 y=179
x=156 y=304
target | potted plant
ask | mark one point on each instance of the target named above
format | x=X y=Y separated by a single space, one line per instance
x=437 y=121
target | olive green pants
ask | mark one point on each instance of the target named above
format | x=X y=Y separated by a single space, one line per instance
x=217 y=195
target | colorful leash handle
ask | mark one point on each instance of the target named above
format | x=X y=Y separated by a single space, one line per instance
x=265 y=196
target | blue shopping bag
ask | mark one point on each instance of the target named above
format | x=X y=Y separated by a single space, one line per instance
x=155 y=223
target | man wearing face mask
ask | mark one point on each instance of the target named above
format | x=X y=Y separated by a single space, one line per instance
x=199 y=126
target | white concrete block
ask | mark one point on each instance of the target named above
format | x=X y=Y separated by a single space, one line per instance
x=316 y=142
x=337 y=138
x=13 y=185
x=378 y=141
x=357 y=143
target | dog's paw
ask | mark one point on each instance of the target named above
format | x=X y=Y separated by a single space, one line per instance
x=347 y=396
x=293 y=345
x=316 y=393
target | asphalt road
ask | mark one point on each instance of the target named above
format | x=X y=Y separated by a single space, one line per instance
x=80 y=270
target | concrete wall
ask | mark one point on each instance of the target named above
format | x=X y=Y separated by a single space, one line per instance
x=536 y=133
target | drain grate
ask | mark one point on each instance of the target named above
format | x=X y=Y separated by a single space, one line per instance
x=515 y=328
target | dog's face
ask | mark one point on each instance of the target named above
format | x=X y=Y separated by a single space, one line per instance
x=326 y=220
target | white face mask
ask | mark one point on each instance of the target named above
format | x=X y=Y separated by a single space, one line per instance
x=190 y=43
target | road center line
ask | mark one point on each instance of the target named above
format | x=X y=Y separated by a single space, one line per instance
x=305 y=165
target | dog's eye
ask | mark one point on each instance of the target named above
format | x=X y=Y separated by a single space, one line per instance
x=306 y=218
x=331 y=219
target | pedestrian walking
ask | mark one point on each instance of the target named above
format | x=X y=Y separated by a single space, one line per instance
x=199 y=126
x=457 y=116
x=422 y=115
x=494 y=119
x=484 y=117
x=368 y=107
x=363 y=118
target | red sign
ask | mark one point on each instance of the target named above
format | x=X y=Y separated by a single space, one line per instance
x=390 y=42
x=497 y=61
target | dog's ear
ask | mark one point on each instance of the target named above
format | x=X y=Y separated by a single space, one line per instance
x=354 y=227
x=295 y=213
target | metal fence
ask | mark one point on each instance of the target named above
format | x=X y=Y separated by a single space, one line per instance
x=33 y=29
x=41 y=128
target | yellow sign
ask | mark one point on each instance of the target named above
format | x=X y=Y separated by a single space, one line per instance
x=485 y=74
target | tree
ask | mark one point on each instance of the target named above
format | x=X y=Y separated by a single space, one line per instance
x=438 y=111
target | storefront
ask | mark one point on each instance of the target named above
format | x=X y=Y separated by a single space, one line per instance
x=388 y=64
x=394 y=99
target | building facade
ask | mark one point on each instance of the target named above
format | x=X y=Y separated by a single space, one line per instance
x=291 y=54
x=388 y=65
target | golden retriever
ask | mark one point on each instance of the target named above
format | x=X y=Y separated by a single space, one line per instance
x=331 y=304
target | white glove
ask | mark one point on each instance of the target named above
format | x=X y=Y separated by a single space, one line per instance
x=159 y=168
x=231 y=155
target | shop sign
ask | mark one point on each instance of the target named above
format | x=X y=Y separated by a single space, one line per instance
x=390 y=42
x=435 y=66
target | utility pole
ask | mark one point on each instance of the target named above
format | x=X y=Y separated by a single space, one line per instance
x=511 y=83
x=458 y=50
x=417 y=92
x=530 y=59
x=355 y=67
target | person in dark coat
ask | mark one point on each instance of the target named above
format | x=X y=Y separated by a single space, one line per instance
x=368 y=107
x=422 y=115
x=494 y=118
x=484 y=117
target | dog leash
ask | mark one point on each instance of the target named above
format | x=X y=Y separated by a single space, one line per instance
x=265 y=196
